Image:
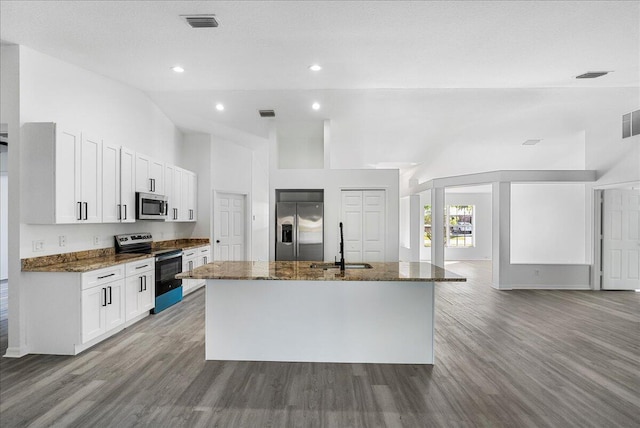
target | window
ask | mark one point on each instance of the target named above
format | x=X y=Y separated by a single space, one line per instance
x=460 y=221
x=460 y=233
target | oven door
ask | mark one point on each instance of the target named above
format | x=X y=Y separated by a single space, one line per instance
x=151 y=207
x=167 y=267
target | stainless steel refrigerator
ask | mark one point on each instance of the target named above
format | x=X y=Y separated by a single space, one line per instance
x=299 y=231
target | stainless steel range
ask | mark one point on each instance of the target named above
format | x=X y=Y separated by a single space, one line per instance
x=168 y=264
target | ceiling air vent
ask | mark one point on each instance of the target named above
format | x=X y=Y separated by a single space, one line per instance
x=267 y=113
x=592 y=74
x=200 y=21
x=531 y=142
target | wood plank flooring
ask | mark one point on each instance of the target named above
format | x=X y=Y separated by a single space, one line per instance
x=503 y=359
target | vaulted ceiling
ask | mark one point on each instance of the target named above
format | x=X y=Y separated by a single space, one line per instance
x=405 y=75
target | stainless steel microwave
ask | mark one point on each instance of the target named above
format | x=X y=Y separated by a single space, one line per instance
x=150 y=206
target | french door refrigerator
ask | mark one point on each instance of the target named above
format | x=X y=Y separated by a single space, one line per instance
x=299 y=231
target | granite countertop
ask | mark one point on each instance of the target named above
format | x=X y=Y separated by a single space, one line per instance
x=302 y=271
x=89 y=264
x=88 y=260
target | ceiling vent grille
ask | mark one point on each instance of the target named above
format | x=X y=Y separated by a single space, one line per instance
x=267 y=113
x=200 y=21
x=592 y=74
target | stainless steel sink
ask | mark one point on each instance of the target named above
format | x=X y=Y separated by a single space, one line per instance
x=326 y=266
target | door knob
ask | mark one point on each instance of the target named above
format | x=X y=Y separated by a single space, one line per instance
x=217 y=241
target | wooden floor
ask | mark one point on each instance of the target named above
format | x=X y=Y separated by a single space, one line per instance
x=503 y=359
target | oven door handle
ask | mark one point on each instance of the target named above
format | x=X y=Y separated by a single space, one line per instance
x=167 y=257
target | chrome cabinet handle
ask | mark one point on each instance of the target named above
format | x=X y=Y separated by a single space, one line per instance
x=86 y=210
x=79 y=210
x=140 y=285
x=109 y=294
x=104 y=297
x=119 y=212
x=106 y=276
x=125 y=212
x=143 y=266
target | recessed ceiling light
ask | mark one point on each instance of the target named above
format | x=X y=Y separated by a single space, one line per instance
x=315 y=67
x=592 y=74
x=315 y=106
x=219 y=107
x=178 y=69
x=531 y=142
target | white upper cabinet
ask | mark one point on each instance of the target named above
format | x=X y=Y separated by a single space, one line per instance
x=110 y=183
x=91 y=179
x=180 y=188
x=118 y=184
x=127 y=185
x=64 y=183
x=149 y=175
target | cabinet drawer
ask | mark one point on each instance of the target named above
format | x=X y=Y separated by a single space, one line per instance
x=102 y=276
x=141 y=266
x=189 y=254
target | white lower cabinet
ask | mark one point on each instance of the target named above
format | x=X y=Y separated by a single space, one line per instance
x=191 y=259
x=140 y=288
x=102 y=302
x=69 y=312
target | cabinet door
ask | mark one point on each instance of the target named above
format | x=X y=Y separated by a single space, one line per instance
x=143 y=182
x=67 y=176
x=111 y=209
x=156 y=173
x=133 y=287
x=127 y=185
x=114 y=311
x=93 y=320
x=169 y=173
x=180 y=213
x=192 y=196
x=91 y=179
x=185 y=214
x=147 y=298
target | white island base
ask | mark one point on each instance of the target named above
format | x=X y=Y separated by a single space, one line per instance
x=320 y=321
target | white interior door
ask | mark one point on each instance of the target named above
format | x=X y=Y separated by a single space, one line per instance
x=621 y=240
x=229 y=227
x=363 y=218
x=352 y=225
x=373 y=225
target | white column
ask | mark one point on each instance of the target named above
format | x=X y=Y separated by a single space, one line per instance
x=416 y=228
x=437 y=226
x=501 y=233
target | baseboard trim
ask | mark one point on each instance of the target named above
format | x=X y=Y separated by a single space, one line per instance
x=15 y=353
x=581 y=287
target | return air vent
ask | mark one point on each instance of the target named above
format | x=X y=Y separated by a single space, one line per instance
x=200 y=21
x=267 y=113
x=592 y=74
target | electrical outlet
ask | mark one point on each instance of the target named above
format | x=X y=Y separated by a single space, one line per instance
x=536 y=272
x=62 y=241
x=96 y=240
x=38 y=245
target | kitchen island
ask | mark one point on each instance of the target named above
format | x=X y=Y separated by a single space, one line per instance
x=289 y=311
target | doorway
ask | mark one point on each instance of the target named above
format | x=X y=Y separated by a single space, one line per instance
x=229 y=226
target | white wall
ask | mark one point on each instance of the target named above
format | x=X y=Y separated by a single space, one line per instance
x=300 y=145
x=55 y=91
x=548 y=223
